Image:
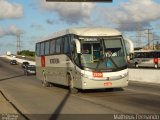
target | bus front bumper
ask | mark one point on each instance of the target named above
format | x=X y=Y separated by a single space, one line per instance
x=97 y=84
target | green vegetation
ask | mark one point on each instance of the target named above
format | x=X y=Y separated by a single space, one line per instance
x=26 y=53
x=157 y=46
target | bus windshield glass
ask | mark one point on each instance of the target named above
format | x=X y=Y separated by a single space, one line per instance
x=105 y=54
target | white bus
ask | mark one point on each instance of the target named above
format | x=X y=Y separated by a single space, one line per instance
x=83 y=58
x=146 y=58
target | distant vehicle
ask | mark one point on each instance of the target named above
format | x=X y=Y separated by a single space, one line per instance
x=83 y=58
x=30 y=70
x=13 y=62
x=24 y=64
x=8 y=53
x=14 y=56
x=146 y=58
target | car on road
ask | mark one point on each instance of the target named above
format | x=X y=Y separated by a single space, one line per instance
x=24 y=64
x=30 y=70
x=13 y=62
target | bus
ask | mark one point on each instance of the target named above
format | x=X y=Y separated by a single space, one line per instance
x=83 y=58
x=146 y=58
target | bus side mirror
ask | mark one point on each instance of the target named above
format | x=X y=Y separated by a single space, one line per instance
x=78 y=46
x=129 y=46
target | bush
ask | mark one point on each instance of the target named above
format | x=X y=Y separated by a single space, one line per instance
x=26 y=53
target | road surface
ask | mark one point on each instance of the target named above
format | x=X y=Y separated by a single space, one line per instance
x=34 y=101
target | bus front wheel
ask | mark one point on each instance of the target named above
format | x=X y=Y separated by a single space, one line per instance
x=72 y=90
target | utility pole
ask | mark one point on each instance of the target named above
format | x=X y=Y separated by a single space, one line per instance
x=139 y=36
x=138 y=39
x=148 y=35
x=18 y=41
x=153 y=40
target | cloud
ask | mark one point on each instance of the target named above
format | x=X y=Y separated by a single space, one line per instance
x=51 y=22
x=133 y=13
x=10 y=10
x=157 y=25
x=34 y=39
x=71 y=13
x=37 y=27
x=11 y=30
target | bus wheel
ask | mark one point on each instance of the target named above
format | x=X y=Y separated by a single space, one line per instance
x=156 y=66
x=44 y=82
x=136 y=65
x=72 y=90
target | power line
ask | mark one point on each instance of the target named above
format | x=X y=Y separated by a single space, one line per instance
x=18 y=41
x=148 y=34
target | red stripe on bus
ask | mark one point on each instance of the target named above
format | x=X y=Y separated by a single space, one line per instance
x=43 y=61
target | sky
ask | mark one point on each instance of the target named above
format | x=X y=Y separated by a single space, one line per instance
x=34 y=19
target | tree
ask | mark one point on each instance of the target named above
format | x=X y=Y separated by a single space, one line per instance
x=157 y=46
x=27 y=53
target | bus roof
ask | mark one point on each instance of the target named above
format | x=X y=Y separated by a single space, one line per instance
x=85 y=31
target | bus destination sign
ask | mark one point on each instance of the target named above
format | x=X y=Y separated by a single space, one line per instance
x=79 y=0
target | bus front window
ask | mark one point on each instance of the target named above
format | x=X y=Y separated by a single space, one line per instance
x=105 y=54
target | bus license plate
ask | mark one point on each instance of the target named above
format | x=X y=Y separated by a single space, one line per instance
x=107 y=84
x=98 y=74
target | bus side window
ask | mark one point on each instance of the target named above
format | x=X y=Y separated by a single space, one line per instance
x=158 y=54
x=47 y=48
x=66 y=45
x=42 y=48
x=52 y=46
x=59 y=46
x=38 y=49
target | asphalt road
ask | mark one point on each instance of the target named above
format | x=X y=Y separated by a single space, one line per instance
x=37 y=102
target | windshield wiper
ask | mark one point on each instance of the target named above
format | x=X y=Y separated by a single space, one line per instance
x=100 y=59
x=113 y=62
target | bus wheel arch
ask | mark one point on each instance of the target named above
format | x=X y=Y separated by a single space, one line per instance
x=72 y=89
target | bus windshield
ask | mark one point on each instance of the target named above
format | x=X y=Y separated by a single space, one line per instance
x=105 y=54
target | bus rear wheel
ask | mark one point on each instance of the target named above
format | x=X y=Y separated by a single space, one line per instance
x=72 y=90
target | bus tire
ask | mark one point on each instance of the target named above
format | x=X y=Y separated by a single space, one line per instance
x=72 y=90
x=136 y=65
x=156 y=66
